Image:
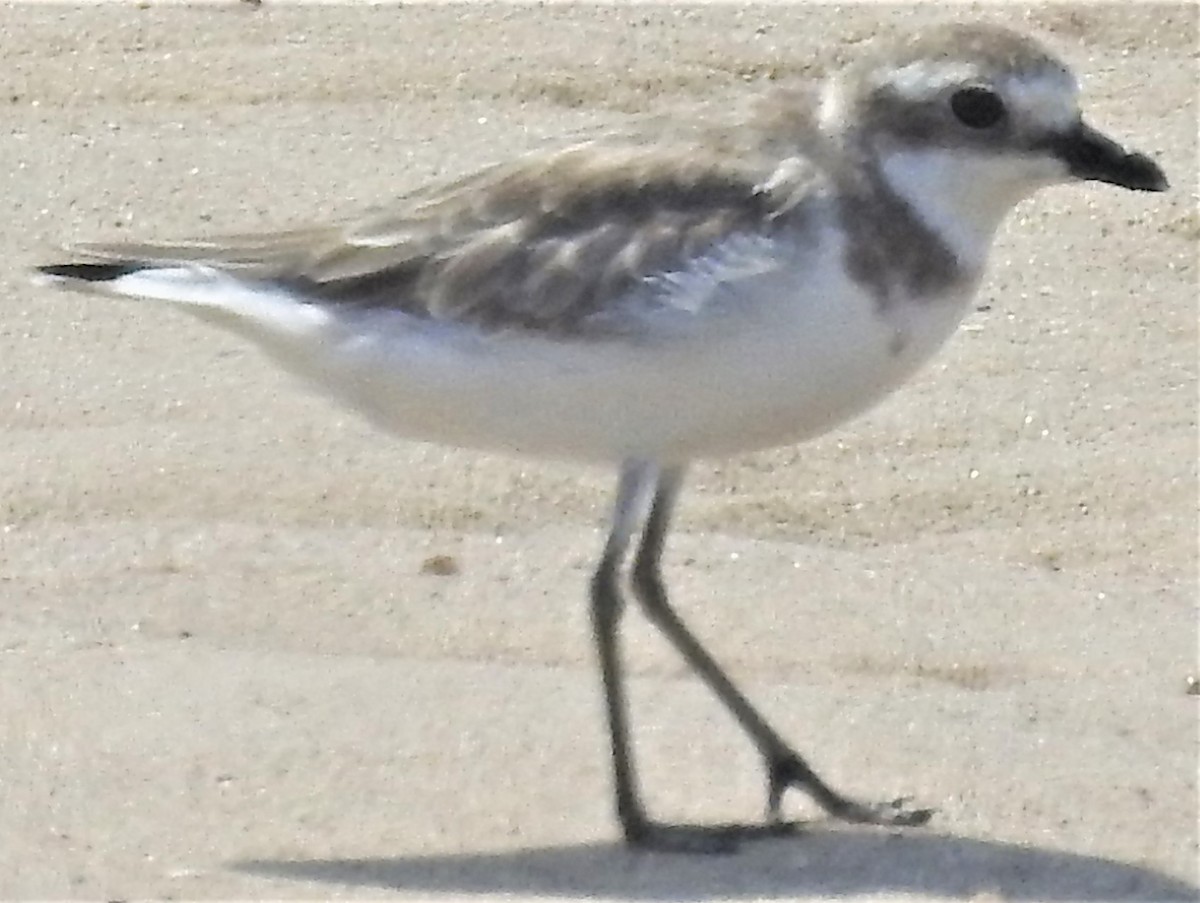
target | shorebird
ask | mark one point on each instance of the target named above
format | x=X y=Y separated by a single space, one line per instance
x=670 y=291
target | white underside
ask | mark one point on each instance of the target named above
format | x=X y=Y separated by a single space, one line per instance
x=773 y=357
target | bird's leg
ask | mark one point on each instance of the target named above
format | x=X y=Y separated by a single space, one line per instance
x=633 y=487
x=636 y=484
x=785 y=767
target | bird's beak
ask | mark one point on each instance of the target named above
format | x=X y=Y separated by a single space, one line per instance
x=1092 y=155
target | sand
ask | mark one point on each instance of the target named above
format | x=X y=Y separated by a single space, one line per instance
x=250 y=647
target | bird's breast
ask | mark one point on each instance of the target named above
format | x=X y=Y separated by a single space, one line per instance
x=819 y=349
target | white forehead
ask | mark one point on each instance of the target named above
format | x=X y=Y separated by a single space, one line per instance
x=1048 y=96
x=919 y=80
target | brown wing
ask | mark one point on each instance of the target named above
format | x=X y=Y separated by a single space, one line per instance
x=545 y=242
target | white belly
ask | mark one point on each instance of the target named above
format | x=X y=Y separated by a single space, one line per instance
x=799 y=352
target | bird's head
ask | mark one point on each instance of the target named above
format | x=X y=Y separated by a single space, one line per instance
x=964 y=121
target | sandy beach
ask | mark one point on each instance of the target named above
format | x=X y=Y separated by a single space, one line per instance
x=250 y=647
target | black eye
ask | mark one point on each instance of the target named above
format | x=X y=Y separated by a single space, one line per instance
x=977 y=108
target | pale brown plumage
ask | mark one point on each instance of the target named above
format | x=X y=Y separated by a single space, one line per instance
x=551 y=241
x=547 y=241
x=868 y=232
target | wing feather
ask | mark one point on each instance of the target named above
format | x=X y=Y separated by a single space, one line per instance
x=550 y=241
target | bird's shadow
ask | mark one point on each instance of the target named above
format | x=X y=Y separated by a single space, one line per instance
x=833 y=863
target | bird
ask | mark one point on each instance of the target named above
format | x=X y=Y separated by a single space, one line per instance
x=675 y=289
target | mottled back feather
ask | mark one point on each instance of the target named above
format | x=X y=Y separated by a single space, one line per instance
x=548 y=241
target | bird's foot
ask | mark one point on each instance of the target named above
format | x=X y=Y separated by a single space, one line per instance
x=792 y=771
x=700 y=839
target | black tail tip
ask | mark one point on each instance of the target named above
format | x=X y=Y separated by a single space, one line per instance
x=89 y=272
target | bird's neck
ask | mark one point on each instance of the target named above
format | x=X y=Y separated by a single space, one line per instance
x=954 y=194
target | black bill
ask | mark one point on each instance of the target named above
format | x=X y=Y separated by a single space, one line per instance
x=1096 y=157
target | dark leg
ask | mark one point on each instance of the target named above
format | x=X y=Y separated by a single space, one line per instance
x=785 y=768
x=637 y=481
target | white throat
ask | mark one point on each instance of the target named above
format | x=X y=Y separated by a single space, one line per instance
x=961 y=196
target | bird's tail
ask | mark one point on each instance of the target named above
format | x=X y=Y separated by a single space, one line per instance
x=180 y=283
x=228 y=298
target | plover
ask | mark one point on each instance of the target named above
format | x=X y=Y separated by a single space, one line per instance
x=669 y=292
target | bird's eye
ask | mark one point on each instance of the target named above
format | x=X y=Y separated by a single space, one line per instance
x=977 y=108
